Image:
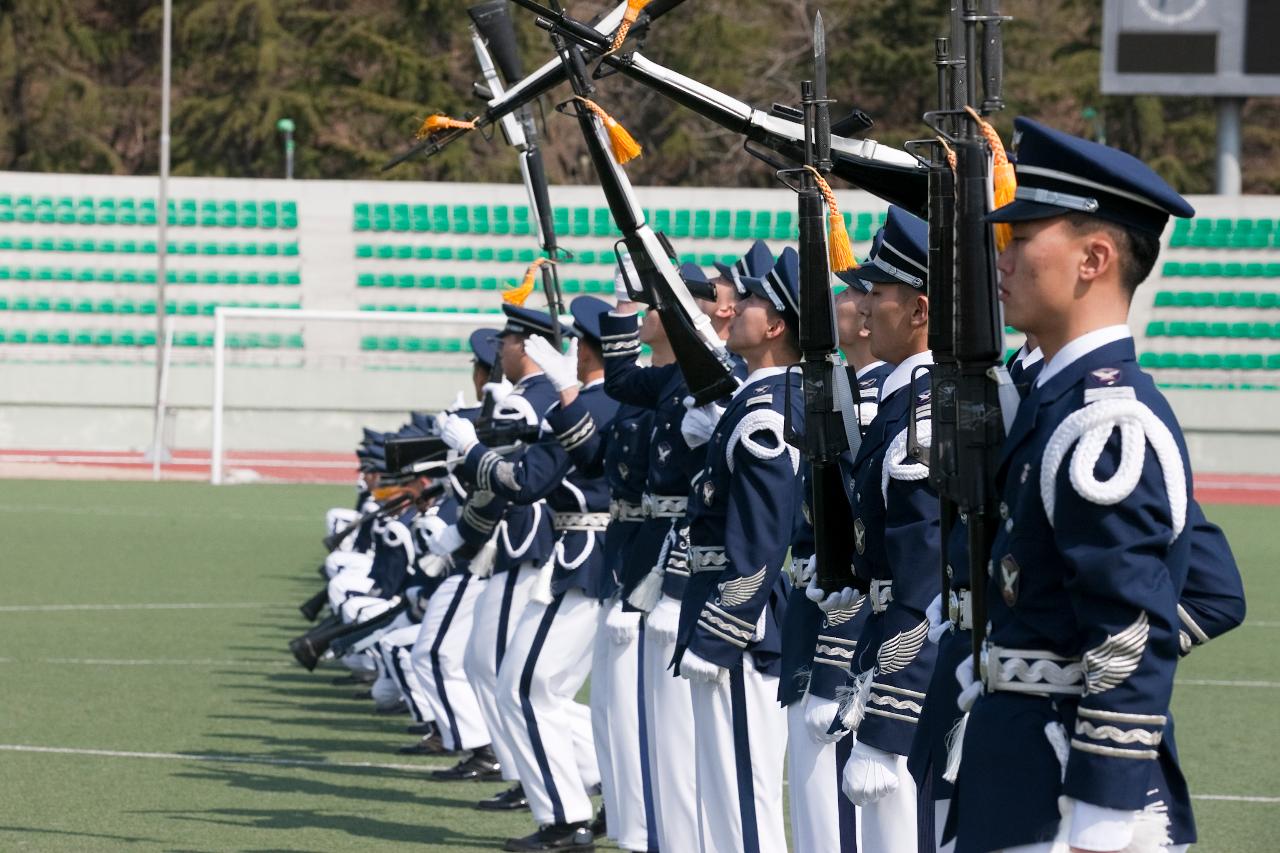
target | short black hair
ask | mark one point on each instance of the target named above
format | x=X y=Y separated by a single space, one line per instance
x=790 y=334
x=1138 y=249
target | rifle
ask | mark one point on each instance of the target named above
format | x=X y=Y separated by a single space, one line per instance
x=886 y=172
x=967 y=425
x=824 y=437
x=312 y=606
x=530 y=88
x=411 y=453
x=699 y=351
x=493 y=35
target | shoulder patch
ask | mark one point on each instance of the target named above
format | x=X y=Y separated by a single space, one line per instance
x=1106 y=383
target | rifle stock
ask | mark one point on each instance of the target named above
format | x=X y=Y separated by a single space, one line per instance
x=528 y=89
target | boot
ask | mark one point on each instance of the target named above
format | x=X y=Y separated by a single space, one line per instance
x=312 y=606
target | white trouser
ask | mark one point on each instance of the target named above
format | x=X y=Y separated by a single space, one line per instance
x=396 y=677
x=497 y=610
x=437 y=662
x=1059 y=847
x=340 y=561
x=617 y=695
x=668 y=713
x=337 y=519
x=740 y=745
x=549 y=733
x=347 y=583
x=889 y=823
x=821 y=819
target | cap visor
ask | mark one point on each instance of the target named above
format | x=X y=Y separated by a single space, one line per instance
x=872 y=274
x=854 y=280
x=755 y=287
x=1021 y=210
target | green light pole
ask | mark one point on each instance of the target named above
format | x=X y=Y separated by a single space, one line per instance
x=286 y=126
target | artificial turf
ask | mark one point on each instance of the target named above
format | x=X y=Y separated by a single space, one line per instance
x=282 y=748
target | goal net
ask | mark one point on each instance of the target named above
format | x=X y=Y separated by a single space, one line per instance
x=293 y=387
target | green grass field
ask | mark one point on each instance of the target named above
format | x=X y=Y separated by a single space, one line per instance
x=192 y=730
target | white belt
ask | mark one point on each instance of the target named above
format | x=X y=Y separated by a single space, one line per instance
x=584 y=521
x=664 y=506
x=620 y=510
x=881 y=594
x=1032 y=671
x=960 y=610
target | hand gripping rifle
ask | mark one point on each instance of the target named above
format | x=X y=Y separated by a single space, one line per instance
x=886 y=172
x=440 y=133
x=494 y=36
x=825 y=434
x=701 y=355
x=968 y=339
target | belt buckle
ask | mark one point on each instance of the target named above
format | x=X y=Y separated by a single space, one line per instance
x=647 y=505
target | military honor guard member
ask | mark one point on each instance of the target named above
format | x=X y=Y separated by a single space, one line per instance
x=1068 y=739
x=818 y=647
x=740 y=518
x=514 y=540
x=895 y=543
x=549 y=654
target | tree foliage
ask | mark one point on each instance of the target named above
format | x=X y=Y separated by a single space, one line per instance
x=80 y=87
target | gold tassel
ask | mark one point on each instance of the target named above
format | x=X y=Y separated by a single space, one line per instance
x=382 y=494
x=634 y=7
x=437 y=122
x=518 y=295
x=1004 y=181
x=625 y=147
x=839 y=249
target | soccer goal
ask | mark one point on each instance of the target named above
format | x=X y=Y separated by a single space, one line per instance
x=292 y=387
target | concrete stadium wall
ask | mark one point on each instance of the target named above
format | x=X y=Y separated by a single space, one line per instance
x=74 y=389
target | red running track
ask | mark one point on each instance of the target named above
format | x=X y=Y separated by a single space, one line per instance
x=285 y=467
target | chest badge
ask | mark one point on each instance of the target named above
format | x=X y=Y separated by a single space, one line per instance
x=708 y=492
x=804 y=510
x=859 y=536
x=1026 y=472
x=623 y=470
x=664 y=453
x=1009 y=575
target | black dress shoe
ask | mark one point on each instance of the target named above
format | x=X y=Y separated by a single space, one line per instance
x=362 y=694
x=560 y=836
x=304 y=653
x=480 y=766
x=431 y=744
x=600 y=826
x=508 y=801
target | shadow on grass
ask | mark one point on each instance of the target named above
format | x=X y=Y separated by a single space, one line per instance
x=36 y=830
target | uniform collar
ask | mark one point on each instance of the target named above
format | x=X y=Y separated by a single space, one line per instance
x=870 y=367
x=1079 y=348
x=593 y=384
x=527 y=378
x=760 y=375
x=901 y=375
x=1031 y=358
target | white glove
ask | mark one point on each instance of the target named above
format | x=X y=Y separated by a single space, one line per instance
x=819 y=714
x=623 y=625
x=698 y=670
x=561 y=370
x=937 y=625
x=459 y=402
x=459 y=433
x=499 y=390
x=445 y=542
x=663 y=621
x=430 y=524
x=841 y=600
x=869 y=775
x=432 y=565
x=970 y=688
x=699 y=422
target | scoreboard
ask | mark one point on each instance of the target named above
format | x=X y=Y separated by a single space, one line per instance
x=1216 y=48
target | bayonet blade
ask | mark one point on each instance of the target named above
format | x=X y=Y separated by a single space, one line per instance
x=822 y=112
